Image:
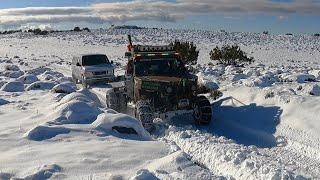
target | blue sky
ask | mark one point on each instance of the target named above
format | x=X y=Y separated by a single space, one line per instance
x=277 y=16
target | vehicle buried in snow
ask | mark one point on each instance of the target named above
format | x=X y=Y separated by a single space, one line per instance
x=157 y=82
x=92 y=68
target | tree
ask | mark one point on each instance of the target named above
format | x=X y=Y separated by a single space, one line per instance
x=230 y=55
x=76 y=29
x=86 y=29
x=187 y=50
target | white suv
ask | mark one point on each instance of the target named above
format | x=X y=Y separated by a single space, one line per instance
x=91 y=68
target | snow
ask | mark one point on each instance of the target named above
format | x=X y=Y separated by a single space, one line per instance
x=13 y=86
x=40 y=85
x=65 y=87
x=107 y=121
x=28 y=78
x=265 y=126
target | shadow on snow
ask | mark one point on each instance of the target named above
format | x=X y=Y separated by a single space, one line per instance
x=247 y=125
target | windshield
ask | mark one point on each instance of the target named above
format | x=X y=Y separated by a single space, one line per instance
x=161 y=67
x=94 y=60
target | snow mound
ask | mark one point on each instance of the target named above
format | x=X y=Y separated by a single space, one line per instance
x=108 y=122
x=41 y=85
x=40 y=133
x=300 y=78
x=237 y=77
x=12 y=74
x=11 y=67
x=178 y=166
x=75 y=112
x=83 y=95
x=28 y=78
x=210 y=84
x=312 y=89
x=13 y=86
x=5 y=176
x=65 y=87
x=45 y=172
x=50 y=76
x=316 y=73
x=3 y=102
x=144 y=174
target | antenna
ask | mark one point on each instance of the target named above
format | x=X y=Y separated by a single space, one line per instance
x=130 y=41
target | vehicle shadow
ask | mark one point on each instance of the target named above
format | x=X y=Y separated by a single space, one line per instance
x=246 y=124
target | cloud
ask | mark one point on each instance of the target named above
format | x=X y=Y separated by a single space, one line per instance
x=155 y=10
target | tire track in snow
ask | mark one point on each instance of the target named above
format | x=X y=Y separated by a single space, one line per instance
x=225 y=157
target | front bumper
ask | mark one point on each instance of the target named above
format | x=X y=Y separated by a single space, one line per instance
x=99 y=79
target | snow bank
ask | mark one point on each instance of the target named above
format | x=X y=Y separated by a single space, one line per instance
x=13 y=86
x=300 y=78
x=3 y=102
x=11 y=67
x=50 y=75
x=45 y=172
x=312 y=89
x=40 y=133
x=107 y=122
x=28 y=78
x=75 y=112
x=226 y=158
x=65 y=87
x=178 y=166
x=144 y=174
x=41 y=85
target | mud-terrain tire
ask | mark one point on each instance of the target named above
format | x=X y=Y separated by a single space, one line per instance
x=144 y=113
x=116 y=101
x=202 y=112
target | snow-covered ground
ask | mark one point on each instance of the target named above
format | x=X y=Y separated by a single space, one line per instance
x=265 y=126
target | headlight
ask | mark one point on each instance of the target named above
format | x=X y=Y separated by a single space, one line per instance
x=193 y=87
x=169 y=90
x=88 y=74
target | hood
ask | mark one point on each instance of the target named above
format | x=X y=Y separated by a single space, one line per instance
x=165 y=79
x=100 y=67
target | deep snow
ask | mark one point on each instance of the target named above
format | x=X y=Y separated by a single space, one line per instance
x=265 y=126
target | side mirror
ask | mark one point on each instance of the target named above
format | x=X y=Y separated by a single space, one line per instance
x=111 y=62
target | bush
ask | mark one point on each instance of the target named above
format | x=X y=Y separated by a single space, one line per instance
x=77 y=29
x=265 y=32
x=317 y=35
x=230 y=55
x=86 y=29
x=187 y=50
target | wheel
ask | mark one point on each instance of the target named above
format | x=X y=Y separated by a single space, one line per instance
x=116 y=101
x=202 y=112
x=144 y=113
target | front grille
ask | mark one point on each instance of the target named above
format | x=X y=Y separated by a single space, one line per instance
x=99 y=73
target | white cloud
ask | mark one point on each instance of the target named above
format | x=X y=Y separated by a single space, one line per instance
x=154 y=10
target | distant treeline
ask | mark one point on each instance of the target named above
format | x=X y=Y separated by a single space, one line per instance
x=38 y=31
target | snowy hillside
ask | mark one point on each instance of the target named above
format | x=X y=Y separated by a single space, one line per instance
x=265 y=126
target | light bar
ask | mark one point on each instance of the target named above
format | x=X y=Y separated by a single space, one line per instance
x=154 y=48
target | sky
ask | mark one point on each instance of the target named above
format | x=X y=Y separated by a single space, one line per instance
x=275 y=16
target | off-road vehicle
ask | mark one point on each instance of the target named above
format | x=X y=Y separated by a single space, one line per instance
x=157 y=82
x=91 y=68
